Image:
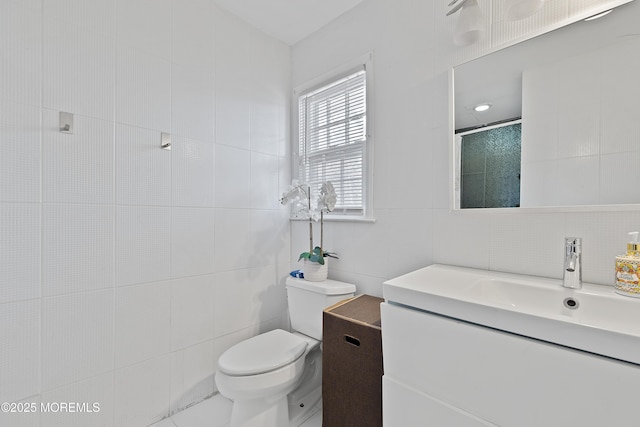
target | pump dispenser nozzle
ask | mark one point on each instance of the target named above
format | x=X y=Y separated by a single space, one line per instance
x=633 y=245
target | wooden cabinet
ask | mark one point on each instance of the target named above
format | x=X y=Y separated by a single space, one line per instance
x=352 y=363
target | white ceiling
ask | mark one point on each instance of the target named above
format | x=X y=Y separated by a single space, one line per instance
x=287 y=20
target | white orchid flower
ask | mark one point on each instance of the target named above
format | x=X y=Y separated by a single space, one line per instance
x=296 y=192
x=327 y=198
x=298 y=196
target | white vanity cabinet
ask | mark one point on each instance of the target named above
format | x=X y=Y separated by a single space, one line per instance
x=443 y=372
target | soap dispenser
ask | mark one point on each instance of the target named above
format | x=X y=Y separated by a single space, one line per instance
x=628 y=269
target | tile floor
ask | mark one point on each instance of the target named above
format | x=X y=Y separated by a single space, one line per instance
x=216 y=412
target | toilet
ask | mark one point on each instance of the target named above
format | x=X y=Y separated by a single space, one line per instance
x=275 y=379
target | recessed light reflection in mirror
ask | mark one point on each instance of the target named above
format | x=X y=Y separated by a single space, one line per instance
x=482 y=107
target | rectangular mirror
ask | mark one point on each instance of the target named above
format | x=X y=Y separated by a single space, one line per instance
x=568 y=104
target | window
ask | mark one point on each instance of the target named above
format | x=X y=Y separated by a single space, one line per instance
x=333 y=139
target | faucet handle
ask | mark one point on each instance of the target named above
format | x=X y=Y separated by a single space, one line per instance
x=575 y=242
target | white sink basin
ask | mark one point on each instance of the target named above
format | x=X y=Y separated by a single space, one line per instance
x=593 y=319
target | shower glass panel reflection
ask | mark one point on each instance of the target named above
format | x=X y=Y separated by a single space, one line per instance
x=490 y=166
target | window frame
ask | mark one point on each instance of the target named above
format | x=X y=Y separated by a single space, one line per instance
x=364 y=62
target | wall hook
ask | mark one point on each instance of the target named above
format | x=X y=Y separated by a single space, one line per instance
x=165 y=141
x=66 y=122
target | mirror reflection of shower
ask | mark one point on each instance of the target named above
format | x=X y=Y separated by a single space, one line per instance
x=490 y=166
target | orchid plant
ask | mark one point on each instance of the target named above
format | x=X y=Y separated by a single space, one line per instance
x=299 y=196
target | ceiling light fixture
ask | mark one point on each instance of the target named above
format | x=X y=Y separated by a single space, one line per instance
x=599 y=15
x=482 y=107
x=520 y=9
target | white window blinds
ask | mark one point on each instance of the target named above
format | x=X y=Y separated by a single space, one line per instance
x=333 y=137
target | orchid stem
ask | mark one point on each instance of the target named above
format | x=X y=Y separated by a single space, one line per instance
x=321 y=232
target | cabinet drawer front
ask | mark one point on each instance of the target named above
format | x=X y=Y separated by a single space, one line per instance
x=405 y=406
x=506 y=379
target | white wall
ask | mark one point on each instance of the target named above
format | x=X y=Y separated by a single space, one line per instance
x=413 y=51
x=125 y=270
x=581 y=133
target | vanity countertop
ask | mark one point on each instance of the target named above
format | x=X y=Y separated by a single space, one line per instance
x=593 y=319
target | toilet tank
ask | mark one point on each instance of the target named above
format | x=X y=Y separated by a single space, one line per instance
x=308 y=299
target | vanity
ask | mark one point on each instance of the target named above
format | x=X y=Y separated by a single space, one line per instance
x=465 y=347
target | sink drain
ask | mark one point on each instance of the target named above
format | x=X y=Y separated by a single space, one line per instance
x=571 y=303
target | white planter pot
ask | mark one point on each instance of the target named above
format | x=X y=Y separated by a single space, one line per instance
x=315 y=272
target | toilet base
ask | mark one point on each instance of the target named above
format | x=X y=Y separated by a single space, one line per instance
x=259 y=413
x=289 y=410
x=306 y=396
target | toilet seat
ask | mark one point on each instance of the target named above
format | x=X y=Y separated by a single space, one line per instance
x=262 y=353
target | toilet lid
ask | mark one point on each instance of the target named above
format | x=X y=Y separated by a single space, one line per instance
x=262 y=353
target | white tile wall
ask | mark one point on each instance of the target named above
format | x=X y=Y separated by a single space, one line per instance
x=77 y=248
x=78 y=70
x=98 y=16
x=619 y=90
x=143 y=244
x=193 y=22
x=233 y=164
x=576 y=133
x=20 y=251
x=233 y=93
x=77 y=337
x=192 y=310
x=615 y=171
x=143 y=171
x=20 y=160
x=192 y=163
x=192 y=371
x=143 y=89
x=232 y=243
x=142 y=392
x=192 y=241
x=21 y=34
x=273 y=247
x=145 y=24
x=142 y=322
x=19 y=355
x=96 y=391
x=240 y=302
x=78 y=167
x=264 y=181
x=192 y=102
x=21 y=419
x=110 y=248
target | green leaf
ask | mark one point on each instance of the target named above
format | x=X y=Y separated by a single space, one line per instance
x=317 y=258
x=304 y=255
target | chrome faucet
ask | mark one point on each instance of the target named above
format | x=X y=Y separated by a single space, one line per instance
x=572 y=277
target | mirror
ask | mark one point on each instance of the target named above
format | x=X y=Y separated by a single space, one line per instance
x=576 y=91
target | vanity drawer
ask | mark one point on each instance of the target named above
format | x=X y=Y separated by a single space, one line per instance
x=404 y=406
x=506 y=379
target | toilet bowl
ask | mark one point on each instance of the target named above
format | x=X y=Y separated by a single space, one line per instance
x=258 y=374
x=275 y=379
